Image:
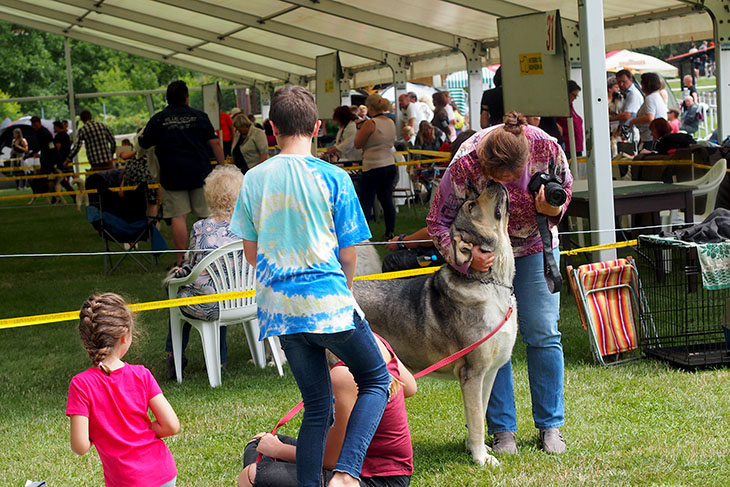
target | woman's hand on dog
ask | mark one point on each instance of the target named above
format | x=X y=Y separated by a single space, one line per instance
x=480 y=260
x=542 y=206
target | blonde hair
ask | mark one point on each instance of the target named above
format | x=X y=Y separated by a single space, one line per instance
x=377 y=103
x=103 y=320
x=241 y=120
x=221 y=190
x=506 y=148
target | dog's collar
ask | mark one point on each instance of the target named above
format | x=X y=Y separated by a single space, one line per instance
x=491 y=280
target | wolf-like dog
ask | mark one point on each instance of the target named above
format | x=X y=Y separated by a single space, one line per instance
x=431 y=317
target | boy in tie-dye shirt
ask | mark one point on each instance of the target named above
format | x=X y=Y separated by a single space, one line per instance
x=300 y=218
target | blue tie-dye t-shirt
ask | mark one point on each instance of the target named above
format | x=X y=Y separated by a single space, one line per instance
x=300 y=211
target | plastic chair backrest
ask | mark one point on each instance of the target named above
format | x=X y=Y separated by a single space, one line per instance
x=608 y=302
x=710 y=180
x=229 y=272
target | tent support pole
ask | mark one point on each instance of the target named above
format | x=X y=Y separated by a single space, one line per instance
x=399 y=66
x=472 y=51
x=595 y=106
x=721 y=22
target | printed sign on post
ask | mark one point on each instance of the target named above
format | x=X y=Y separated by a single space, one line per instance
x=531 y=64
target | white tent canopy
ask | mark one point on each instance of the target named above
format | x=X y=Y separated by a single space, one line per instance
x=270 y=41
x=625 y=59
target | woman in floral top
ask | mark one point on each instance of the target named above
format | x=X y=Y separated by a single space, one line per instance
x=221 y=192
x=511 y=153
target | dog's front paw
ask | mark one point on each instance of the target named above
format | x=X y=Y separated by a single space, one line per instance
x=480 y=456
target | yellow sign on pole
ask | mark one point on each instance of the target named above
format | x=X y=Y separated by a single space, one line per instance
x=531 y=64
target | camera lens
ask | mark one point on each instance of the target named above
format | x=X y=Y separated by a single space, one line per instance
x=555 y=195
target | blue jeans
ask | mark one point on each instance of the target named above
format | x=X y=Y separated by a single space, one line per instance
x=306 y=355
x=537 y=313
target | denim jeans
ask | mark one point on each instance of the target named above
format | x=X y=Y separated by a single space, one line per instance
x=306 y=355
x=537 y=313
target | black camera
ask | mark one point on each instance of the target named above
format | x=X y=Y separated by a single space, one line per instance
x=555 y=195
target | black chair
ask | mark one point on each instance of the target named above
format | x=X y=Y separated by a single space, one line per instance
x=121 y=219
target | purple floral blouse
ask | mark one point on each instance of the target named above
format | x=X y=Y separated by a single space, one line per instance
x=464 y=180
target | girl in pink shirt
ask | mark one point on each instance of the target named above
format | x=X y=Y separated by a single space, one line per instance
x=108 y=402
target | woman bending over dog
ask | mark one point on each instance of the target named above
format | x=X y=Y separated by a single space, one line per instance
x=511 y=153
x=389 y=458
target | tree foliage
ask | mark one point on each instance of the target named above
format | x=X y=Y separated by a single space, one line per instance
x=35 y=65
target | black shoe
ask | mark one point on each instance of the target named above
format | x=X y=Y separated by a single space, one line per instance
x=389 y=235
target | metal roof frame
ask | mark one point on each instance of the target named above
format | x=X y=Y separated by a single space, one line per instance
x=288 y=50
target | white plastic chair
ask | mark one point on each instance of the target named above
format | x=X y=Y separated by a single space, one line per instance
x=403 y=191
x=707 y=185
x=229 y=271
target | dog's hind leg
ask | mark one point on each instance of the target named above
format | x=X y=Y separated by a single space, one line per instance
x=472 y=382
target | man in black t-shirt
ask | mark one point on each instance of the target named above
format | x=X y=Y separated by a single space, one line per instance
x=50 y=158
x=183 y=138
x=688 y=83
x=492 y=112
x=62 y=141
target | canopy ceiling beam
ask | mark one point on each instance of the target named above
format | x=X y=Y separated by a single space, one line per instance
x=191 y=31
x=392 y=24
x=73 y=20
x=278 y=28
x=124 y=48
x=678 y=11
x=498 y=8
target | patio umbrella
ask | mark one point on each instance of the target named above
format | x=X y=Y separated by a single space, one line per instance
x=625 y=59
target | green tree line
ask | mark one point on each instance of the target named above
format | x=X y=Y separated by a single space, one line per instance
x=34 y=64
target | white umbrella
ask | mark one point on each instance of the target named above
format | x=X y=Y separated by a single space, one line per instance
x=625 y=59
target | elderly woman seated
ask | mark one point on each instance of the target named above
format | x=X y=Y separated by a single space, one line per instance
x=221 y=192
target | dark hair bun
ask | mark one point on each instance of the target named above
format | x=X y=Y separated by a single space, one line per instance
x=513 y=122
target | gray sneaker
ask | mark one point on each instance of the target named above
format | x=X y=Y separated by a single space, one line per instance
x=504 y=443
x=552 y=441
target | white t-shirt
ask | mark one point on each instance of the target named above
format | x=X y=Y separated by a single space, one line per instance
x=654 y=104
x=413 y=111
x=632 y=101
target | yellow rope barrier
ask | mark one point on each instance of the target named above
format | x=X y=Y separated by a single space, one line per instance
x=64 y=193
x=210 y=298
x=169 y=303
x=16 y=168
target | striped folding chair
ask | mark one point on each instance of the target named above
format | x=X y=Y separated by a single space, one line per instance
x=607 y=296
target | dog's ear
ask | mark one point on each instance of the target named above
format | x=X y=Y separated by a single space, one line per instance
x=462 y=250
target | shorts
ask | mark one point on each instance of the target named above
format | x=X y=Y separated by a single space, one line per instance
x=182 y=202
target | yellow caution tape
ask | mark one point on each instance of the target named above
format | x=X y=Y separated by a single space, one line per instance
x=210 y=298
x=169 y=303
x=16 y=168
x=594 y=248
x=64 y=193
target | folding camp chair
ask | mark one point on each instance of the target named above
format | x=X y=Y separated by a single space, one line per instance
x=121 y=220
x=607 y=296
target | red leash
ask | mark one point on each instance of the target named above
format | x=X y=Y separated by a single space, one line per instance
x=445 y=361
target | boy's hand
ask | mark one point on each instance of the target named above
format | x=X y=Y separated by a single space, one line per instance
x=269 y=445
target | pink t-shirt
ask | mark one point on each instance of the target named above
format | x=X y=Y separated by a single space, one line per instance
x=119 y=426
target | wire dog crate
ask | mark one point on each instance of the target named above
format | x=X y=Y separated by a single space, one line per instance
x=682 y=320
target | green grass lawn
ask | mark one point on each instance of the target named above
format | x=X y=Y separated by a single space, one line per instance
x=644 y=423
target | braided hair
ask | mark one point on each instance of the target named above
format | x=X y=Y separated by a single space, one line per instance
x=103 y=320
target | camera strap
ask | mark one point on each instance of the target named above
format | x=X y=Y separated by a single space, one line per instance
x=550 y=267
